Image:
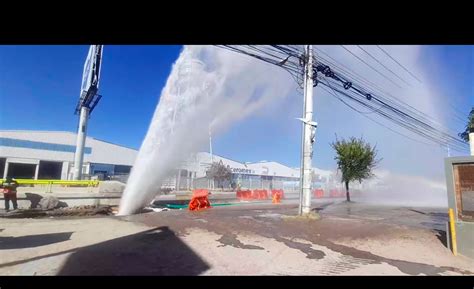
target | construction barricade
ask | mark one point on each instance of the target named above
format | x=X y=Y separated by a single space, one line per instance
x=336 y=193
x=280 y=192
x=199 y=200
x=260 y=194
x=244 y=195
x=318 y=193
x=276 y=196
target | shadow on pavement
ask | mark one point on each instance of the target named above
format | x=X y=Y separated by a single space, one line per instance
x=22 y=242
x=154 y=252
x=441 y=235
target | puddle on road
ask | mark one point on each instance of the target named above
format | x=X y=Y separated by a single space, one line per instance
x=201 y=220
x=270 y=215
x=231 y=240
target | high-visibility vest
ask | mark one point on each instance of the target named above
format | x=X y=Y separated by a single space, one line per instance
x=9 y=187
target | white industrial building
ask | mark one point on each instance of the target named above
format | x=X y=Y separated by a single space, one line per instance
x=251 y=175
x=50 y=155
x=264 y=174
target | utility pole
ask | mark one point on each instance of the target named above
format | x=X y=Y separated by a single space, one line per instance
x=308 y=134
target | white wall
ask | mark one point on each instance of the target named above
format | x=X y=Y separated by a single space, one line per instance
x=65 y=171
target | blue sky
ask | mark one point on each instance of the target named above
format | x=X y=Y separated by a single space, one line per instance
x=42 y=83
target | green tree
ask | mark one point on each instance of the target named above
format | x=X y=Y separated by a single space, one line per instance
x=469 y=126
x=219 y=172
x=355 y=159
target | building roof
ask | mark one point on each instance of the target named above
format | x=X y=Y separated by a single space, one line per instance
x=62 y=132
x=259 y=168
x=60 y=146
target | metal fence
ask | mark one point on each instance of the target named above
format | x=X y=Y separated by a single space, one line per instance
x=189 y=183
x=47 y=186
x=66 y=183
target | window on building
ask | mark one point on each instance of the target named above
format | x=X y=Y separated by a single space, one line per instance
x=2 y=166
x=122 y=170
x=464 y=190
x=49 y=170
x=21 y=171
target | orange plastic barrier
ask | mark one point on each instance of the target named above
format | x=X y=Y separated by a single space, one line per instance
x=318 y=193
x=199 y=200
x=244 y=195
x=280 y=192
x=336 y=194
x=276 y=197
x=260 y=194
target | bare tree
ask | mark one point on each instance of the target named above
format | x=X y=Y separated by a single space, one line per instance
x=219 y=172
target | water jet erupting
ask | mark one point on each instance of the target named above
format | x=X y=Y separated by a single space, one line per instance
x=206 y=85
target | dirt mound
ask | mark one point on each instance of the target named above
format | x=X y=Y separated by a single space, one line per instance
x=61 y=212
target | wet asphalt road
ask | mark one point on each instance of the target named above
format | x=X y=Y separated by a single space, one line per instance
x=433 y=218
x=249 y=239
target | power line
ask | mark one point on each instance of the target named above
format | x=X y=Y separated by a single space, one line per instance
x=371 y=56
x=379 y=123
x=361 y=112
x=328 y=72
x=386 y=53
x=369 y=83
x=400 y=113
x=294 y=52
x=391 y=109
x=370 y=66
x=434 y=136
x=366 y=115
x=391 y=57
x=347 y=70
x=428 y=119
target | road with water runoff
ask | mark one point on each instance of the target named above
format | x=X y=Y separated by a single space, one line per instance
x=245 y=239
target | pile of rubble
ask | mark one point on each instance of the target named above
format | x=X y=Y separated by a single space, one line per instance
x=60 y=212
x=81 y=211
x=52 y=207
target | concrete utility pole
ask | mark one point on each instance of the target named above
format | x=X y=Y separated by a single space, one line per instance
x=80 y=142
x=308 y=134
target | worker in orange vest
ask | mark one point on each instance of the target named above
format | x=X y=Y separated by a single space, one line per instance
x=9 y=192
